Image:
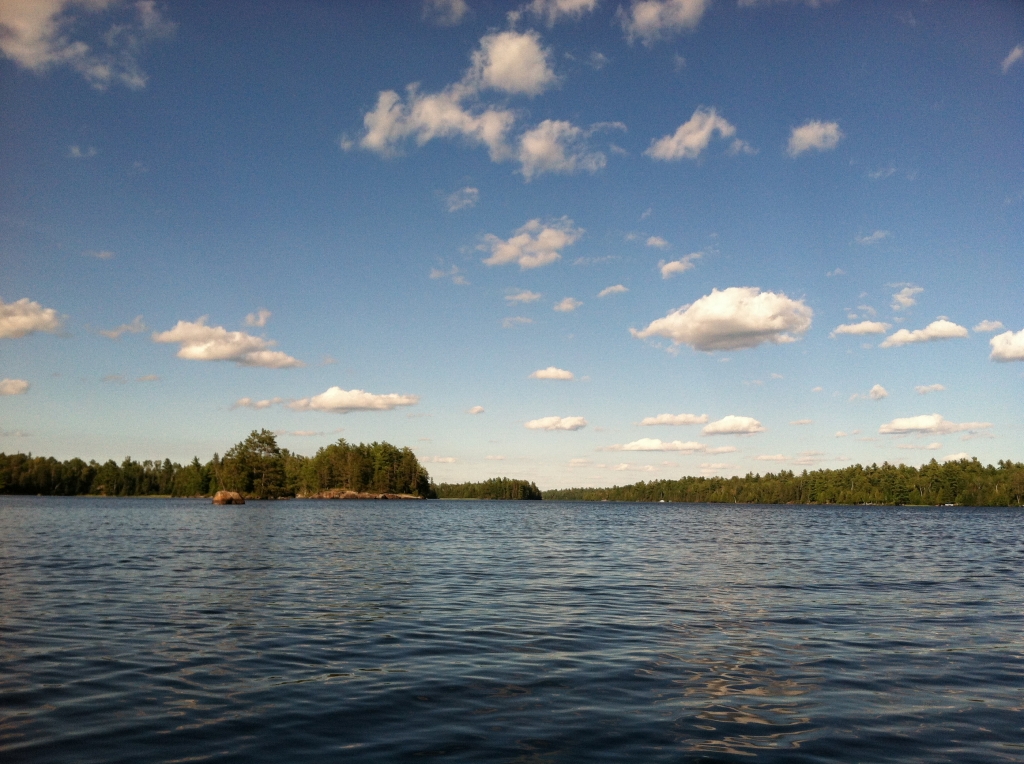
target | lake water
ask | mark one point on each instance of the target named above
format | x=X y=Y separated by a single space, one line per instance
x=174 y=631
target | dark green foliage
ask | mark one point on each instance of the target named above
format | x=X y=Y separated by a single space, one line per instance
x=966 y=482
x=256 y=467
x=495 y=488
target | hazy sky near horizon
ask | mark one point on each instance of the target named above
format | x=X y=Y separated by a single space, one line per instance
x=580 y=242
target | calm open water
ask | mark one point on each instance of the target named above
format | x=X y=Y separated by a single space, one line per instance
x=174 y=631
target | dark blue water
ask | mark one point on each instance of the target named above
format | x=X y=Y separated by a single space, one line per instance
x=175 y=631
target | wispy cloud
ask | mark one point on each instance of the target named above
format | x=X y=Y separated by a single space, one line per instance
x=816 y=135
x=135 y=327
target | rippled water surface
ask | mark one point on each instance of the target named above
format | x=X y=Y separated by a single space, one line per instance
x=172 y=631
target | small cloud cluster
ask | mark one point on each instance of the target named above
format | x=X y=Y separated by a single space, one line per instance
x=693 y=136
x=258 y=318
x=876 y=393
x=135 y=327
x=522 y=296
x=936 y=330
x=616 y=289
x=652 y=20
x=734 y=425
x=334 y=400
x=567 y=305
x=906 y=297
x=534 y=245
x=463 y=199
x=656 y=444
x=1013 y=57
x=872 y=238
x=445 y=13
x=453 y=273
x=733 y=319
x=988 y=326
x=1008 y=346
x=674 y=420
x=552 y=372
x=682 y=265
x=864 y=327
x=925 y=389
x=14 y=386
x=476 y=410
x=24 y=316
x=817 y=135
x=199 y=342
x=929 y=423
x=553 y=423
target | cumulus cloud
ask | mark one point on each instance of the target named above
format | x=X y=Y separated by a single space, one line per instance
x=24 y=316
x=821 y=136
x=929 y=423
x=522 y=296
x=734 y=425
x=906 y=297
x=558 y=146
x=199 y=342
x=14 y=386
x=445 y=13
x=733 y=319
x=334 y=400
x=682 y=265
x=674 y=420
x=259 y=318
x=557 y=423
x=534 y=245
x=464 y=198
x=936 y=330
x=655 y=444
x=877 y=392
x=960 y=456
x=135 y=327
x=692 y=137
x=864 y=327
x=567 y=305
x=925 y=389
x=40 y=34
x=476 y=410
x=250 y=403
x=1008 y=346
x=552 y=10
x=652 y=20
x=508 y=323
x=657 y=241
x=988 y=326
x=513 y=62
x=1013 y=57
x=872 y=238
x=617 y=289
x=552 y=372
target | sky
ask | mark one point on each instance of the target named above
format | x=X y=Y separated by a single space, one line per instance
x=579 y=242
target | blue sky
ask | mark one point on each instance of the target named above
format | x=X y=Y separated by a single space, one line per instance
x=577 y=242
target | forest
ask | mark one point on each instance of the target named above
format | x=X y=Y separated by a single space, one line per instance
x=256 y=467
x=965 y=482
x=495 y=488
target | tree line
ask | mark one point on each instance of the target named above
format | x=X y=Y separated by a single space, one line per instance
x=256 y=467
x=965 y=482
x=495 y=488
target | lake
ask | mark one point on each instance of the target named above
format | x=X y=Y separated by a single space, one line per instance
x=153 y=630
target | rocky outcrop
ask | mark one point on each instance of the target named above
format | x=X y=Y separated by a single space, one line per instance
x=338 y=493
x=228 y=497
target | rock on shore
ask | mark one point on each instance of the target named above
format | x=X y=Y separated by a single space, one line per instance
x=228 y=497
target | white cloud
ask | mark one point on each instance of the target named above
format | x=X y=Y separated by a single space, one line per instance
x=453 y=273
x=882 y=172
x=259 y=318
x=534 y=245
x=14 y=386
x=552 y=372
x=864 y=327
x=508 y=323
x=24 y=316
x=476 y=410
x=772 y=458
x=710 y=468
x=439 y=459
x=657 y=241
x=1013 y=57
x=733 y=319
x=617 y=289
x=800 y=422
x=557 y=146
x=956 y=457
x=989 y=326
x=135 y=327
x=913 y=447
x=692 y=137
x=877 y=392
x=936 y=330
x=557 y=423
x=77 y=152
x=1008 y=346
x=682 y=265
x=334 y=400
x=872 y=238
x=836 y=272
x=522 y=296
x=446 y=13
x=37 y=35
x=905 y=298
x=651 y=20
x=734 y=425
x=200 y=342
x=925 y=389
x=552 y=10
x=624 y=467
x=567 y=305
x=928 y=423
x=821 y=136
x=655 y=444
x=464 y=198
x=674 y=420
x=249 y=403
x=817 y=389
x=513 y=62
